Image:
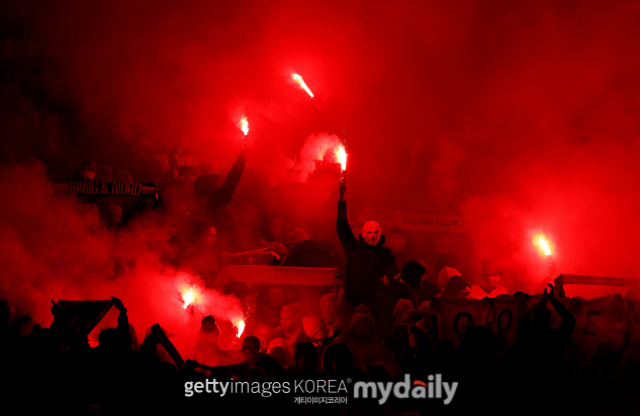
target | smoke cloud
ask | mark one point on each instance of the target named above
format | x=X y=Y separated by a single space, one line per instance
x=521 y=117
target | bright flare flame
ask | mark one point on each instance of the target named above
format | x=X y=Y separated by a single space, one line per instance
x=187 y=297
x=240 y=326
x=244 y=125
x=342 y=158
x=545 y=246
x=299 y=80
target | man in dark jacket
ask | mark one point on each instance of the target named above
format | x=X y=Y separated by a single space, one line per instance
x=368 y=261
x=217 y=199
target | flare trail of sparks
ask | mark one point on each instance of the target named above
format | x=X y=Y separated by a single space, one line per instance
x=299 y=80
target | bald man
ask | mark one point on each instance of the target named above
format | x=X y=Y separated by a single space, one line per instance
x=368 y=261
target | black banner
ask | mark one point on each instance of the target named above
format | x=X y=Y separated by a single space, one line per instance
x=168 y=346
x=78 y=317
x=197 y=161
x=147 y=190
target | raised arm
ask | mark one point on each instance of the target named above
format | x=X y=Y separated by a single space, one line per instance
x=123 y=320
x=228 y=187
x=568 y=320
x=347 y=239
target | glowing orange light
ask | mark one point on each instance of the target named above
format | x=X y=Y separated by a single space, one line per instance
x=187 y=298
x=240 y=325
x=244 y=125
x=299 y=80
x=544 y=245
x=342 y=158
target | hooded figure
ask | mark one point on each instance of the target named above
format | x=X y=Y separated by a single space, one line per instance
x=368 y=261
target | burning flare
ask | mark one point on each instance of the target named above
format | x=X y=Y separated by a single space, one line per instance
x=188 y=297
x=342 y=158
x=244 y=125
x=545 y=246
x=240 y=326
x=299 y=80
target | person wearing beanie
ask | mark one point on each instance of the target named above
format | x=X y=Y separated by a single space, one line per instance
x=456 y=287
x=368 y=260
x=490 y=275
x=215 y=199
x=400 y=308
x=315 y=328
x=362 y=326
x=305 y=252
x=445 y=274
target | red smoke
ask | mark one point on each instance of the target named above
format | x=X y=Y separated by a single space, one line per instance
x=54 y=249
x=523 y=117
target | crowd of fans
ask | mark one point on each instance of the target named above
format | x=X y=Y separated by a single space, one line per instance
x=374 y=324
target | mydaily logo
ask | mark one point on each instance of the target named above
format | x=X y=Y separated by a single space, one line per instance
x=403 y=389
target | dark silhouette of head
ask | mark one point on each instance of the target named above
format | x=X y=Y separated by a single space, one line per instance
x=251 y=345
x=455 y=285
x=208 y=324
x=337 y=358
x=540 y=318
x=412 y=273
x=306 y=357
